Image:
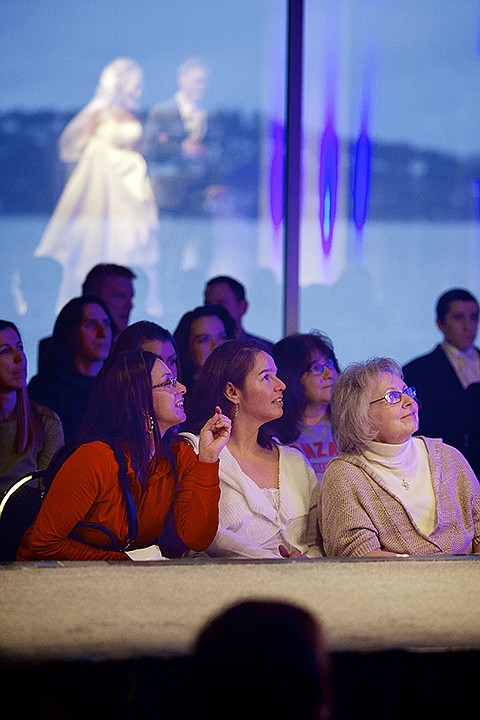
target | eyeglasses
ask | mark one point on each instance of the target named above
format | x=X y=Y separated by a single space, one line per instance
x=171 y=381
x=319 y=368
x=392 y=397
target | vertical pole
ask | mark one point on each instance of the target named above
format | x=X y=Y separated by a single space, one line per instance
x=293 y=148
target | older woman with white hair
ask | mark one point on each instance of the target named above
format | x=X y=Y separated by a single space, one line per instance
x=107 y=212
x=388 y=493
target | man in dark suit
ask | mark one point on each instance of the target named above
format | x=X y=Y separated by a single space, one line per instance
x=183 y=146
x=442 y=377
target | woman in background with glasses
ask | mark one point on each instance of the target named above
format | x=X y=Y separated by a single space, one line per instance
x=127 y=468
x=388 y=493
x=308 y=366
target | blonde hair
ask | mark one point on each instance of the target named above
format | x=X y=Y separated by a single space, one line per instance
x=353 y=427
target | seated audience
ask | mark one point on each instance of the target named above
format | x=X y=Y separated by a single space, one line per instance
x=388 y=493
x=125 y=463
x=81 y=342
x=225 y=290
x=442 y=377
x=147 y=335
x=308 y=366
x=268 y=490
x=30 y=433
x=281 y=646
x=197 y=333
x=114 y=285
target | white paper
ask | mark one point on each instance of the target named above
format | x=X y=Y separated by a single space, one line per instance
x=152 y=552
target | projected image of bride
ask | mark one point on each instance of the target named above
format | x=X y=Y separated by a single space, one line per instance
x=107 y=212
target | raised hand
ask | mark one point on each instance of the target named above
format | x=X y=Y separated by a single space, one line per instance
x=214 y=436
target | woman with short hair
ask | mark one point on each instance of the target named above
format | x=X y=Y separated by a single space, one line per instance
x=388 y=493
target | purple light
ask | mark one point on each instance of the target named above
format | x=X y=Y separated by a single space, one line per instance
x=327 y=185
x=277 y=175
x=361 y=180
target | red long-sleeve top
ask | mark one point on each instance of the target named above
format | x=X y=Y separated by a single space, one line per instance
x=87 y=488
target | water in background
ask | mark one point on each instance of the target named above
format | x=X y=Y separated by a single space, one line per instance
x=381 y=302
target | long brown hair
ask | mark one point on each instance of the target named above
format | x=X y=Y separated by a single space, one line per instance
x=30 y=429
x=229 y=362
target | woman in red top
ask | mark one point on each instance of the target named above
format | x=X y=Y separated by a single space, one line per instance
x=134 y=406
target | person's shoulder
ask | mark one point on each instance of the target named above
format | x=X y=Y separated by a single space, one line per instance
x=268 y=344
x=185 y=436
x=45 y=412
x=168 y=106
x=437 y=448
x=420 y=360
x=345 y=465
x=186 y=442
x=289 y=451
x=98 y=454
x=294 y=457
x=39 y=386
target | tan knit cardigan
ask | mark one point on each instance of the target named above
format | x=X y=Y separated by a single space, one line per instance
x=358 y=513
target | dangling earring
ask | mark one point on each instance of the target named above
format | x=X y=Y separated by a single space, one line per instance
x=151 y=424
x=236 y=411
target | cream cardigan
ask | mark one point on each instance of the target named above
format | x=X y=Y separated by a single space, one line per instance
x=247 y=519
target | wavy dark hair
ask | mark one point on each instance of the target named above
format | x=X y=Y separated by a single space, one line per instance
x=229 y=362
x=30 y=428
x=182 y=336
x=294 y=355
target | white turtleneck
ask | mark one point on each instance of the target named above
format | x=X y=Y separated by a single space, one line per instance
x=466 y=363
x=404 y=470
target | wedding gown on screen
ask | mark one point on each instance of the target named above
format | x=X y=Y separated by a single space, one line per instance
x=107 y=212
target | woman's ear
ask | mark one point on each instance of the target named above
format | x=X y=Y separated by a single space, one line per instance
x=231 y=392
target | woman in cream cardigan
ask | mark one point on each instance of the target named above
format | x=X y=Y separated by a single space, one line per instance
x=268 y=490
x=388 y=493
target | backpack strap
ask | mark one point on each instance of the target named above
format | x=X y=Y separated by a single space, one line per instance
x=125 y=485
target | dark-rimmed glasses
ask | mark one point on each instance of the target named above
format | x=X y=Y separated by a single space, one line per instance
x=392 y=397
x=171 y=381
x=319 y=368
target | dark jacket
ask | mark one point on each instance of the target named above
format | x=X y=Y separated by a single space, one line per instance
x=179 y=182
x=446 y=409
x=65 y=391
